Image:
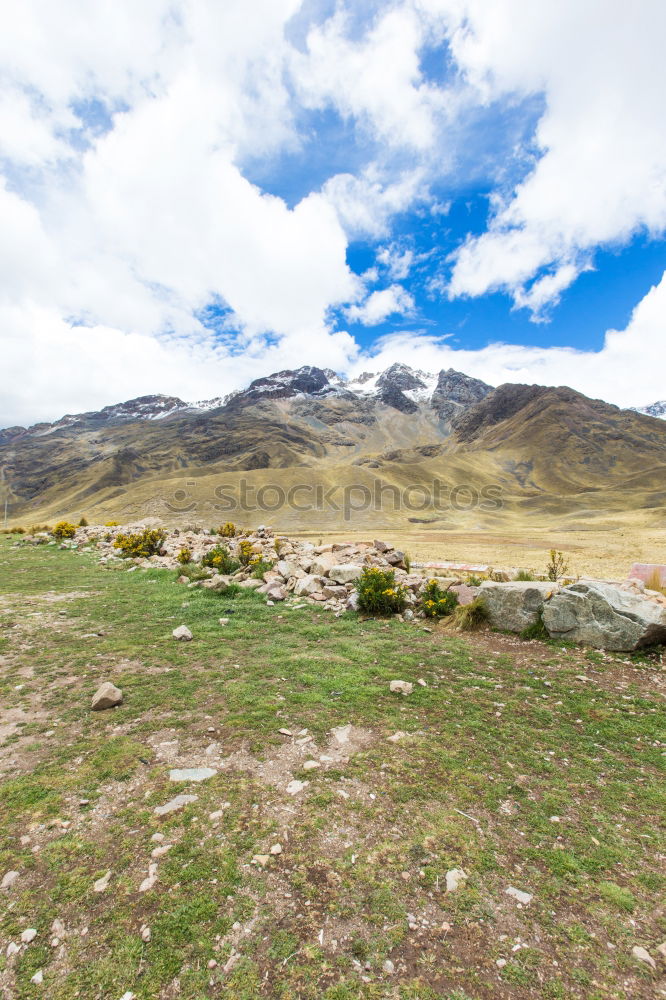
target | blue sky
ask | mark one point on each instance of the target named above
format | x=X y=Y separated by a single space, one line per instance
x=193 y=195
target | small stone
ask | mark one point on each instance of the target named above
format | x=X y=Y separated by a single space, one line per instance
x=182 y=632
x=400 y=735
x=285 y=732
x=401 y=687
x=500 y=963
x=641 y=955
x=8 y=880
x=192 y=773
x=212 y=964
x=150 y=881
x=28 y=935
x=146 y=933
x=295 y=786
x=341 y=735
x=422 y=683
x=102 y=884
x=223 y=621
x=38 y=978
x=661 y=949
x=554 y=819
x=55 y=942
x=310 y=765
x=388 y=967
x=157 y=838
x=106 y=696
x=454 y=879
x=174 y=805
x=261 y=859
x=159 y=852
x=519 y=895
x=12 y=949
x=58 y=928
x=127 y=996
x=276 y=849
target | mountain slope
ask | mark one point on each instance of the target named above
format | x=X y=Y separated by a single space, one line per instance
x=542 y=447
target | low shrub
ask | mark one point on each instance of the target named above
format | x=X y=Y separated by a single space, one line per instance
x=12 y=531
x=37 y=529
x=474 y=581
x=469 y=617
x=140 y=544
x=259 y=567
x=436 y=603
x=185 y=555
x=64 y=529
x=227 y=530
x=193 y=571
x=524 y=576
x=83 y=523
x=535 y=631
x=557 y=565
x=219 y=559
x=378 y=593
x=245 y=552
x=111 y=524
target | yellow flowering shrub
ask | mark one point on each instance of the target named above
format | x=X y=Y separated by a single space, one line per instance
x=435 y=602
x=378 y=593
x=64 y=529
x=140 y=544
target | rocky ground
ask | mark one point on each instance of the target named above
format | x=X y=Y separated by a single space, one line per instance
x=265 y=813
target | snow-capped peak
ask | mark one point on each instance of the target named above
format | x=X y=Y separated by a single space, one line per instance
x=654 y=410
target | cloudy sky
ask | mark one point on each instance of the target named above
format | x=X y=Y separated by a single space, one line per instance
x=195 y=193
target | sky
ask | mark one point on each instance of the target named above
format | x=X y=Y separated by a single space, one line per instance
x=194 y=194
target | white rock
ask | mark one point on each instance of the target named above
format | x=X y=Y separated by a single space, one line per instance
x=310 y=765
x=150 y=881
x=146 y=933
x=400 y=735
x=276 y=849
x=388 y=967
x=28 y=935
x=8 y=880
x=454 y=879
x=182 y=632
x=192 y=773
x=519 y=895
x=295 y=786
x=173 y=805
x=12 y=949
x=401 y=687
x=500 y=963
x=102 y=884
x=38 y=978
x=346 y=573
x=341 y=735
x=641 y=955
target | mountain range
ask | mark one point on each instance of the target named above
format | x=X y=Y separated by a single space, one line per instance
x=550 y=451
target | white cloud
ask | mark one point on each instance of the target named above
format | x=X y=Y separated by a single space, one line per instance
x=600 y=176
x=126 y=204
x=381 y=304
x=627 y=371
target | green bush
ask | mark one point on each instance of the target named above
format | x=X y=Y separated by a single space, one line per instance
x=260 y=566
x=140 y=544
x=227 y=530
x=469 y=617
x=524 y=576
x=557 y=565
x=379 y=594
x=83 y=523
x=64 y=529
x=185 y=555
x=435 y=602
x=218 y=558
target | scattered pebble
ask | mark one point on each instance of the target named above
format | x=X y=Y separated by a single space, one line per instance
x=182 y=632
x=642 y=955
x=295 y=786
x=192 y=773
x=174 y=805
x=102 y=884
x=454 y=879
x=106 y=696
x=401 y=687
x=519 y=895
x=8 y=880
x=28 y=935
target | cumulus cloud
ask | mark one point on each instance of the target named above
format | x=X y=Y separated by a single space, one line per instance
x=599 y=175
x=128 y=210
x=627 y=371
x=379 y=305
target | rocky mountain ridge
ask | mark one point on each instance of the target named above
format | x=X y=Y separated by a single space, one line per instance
x=654 y=410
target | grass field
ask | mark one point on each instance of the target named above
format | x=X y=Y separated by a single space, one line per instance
x=529 y=766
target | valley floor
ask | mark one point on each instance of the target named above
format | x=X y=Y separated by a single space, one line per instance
x=521 y=766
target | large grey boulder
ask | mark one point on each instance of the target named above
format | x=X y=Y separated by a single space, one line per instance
x=309 y=584
x=515 y=606
x=603 y=615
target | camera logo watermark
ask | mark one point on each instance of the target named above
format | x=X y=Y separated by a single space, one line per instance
x=348 y=500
